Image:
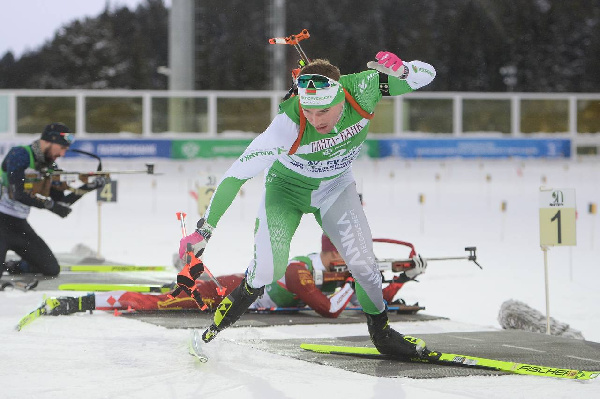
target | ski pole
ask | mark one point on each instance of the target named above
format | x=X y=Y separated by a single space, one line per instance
x=181 y=217
x=220 y=289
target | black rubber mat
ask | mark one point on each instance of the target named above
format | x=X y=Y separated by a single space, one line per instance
x=197 y=319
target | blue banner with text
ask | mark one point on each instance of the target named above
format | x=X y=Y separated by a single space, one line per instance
x=145 y=148
x=475 y=148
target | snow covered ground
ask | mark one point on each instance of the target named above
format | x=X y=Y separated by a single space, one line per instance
x=102 y=356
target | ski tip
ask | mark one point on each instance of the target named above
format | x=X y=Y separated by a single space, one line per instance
x=195 y=347
x=587 y=375
x=201 y=358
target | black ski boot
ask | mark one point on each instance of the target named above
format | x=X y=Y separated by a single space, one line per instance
x=67 y=304
x=13 y=267
x=231 y=308
x=389 y=341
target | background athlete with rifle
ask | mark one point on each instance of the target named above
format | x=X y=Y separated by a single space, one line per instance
x=29 y=180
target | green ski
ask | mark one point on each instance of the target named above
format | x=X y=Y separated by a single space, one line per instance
x=31 y=316
x=111 y=268
x=47 y=305
x=95 y=287
x=449 y=359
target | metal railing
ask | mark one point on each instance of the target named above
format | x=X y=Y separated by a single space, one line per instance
x=212 y=114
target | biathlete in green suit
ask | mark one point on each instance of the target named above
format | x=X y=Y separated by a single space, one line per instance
x=306 y=155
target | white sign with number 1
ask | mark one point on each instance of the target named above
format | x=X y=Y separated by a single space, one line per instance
x=557 y=216
x=557 y=227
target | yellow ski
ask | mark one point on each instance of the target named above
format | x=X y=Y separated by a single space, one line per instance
x=449 y=359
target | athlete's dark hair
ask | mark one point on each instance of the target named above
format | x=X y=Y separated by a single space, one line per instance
x=321 y=67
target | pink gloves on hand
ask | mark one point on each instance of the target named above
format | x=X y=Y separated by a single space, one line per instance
x=389 y=60
x=390 y=64
x=197 y=242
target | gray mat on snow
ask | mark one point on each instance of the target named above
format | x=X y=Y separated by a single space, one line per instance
x=516 y=346
x=199 y=320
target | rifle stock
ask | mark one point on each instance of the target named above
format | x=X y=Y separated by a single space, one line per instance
x=40 y=183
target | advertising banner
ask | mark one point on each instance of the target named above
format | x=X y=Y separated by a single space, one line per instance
x=145 y=148
x=190 y=149
x=475 y=148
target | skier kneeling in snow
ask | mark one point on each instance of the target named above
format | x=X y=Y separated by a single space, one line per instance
x=16 y=201
x=307 y=152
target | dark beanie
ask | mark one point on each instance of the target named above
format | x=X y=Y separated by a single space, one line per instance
x=326 y=244
x=58 y=133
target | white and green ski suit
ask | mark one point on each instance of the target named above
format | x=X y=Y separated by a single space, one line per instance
x=315 y=178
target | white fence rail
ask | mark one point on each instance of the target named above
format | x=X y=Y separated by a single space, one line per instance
x=215 y=114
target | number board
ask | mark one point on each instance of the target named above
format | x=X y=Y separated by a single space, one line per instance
x=557 y=217
x=108 y=193
x=205 y=193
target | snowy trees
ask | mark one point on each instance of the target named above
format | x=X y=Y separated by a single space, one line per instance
x=485 y=45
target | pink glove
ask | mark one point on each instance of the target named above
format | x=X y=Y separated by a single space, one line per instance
x=197 y=241
x=390 y=60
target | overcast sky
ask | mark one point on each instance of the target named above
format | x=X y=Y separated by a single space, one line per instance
x=28 y=24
